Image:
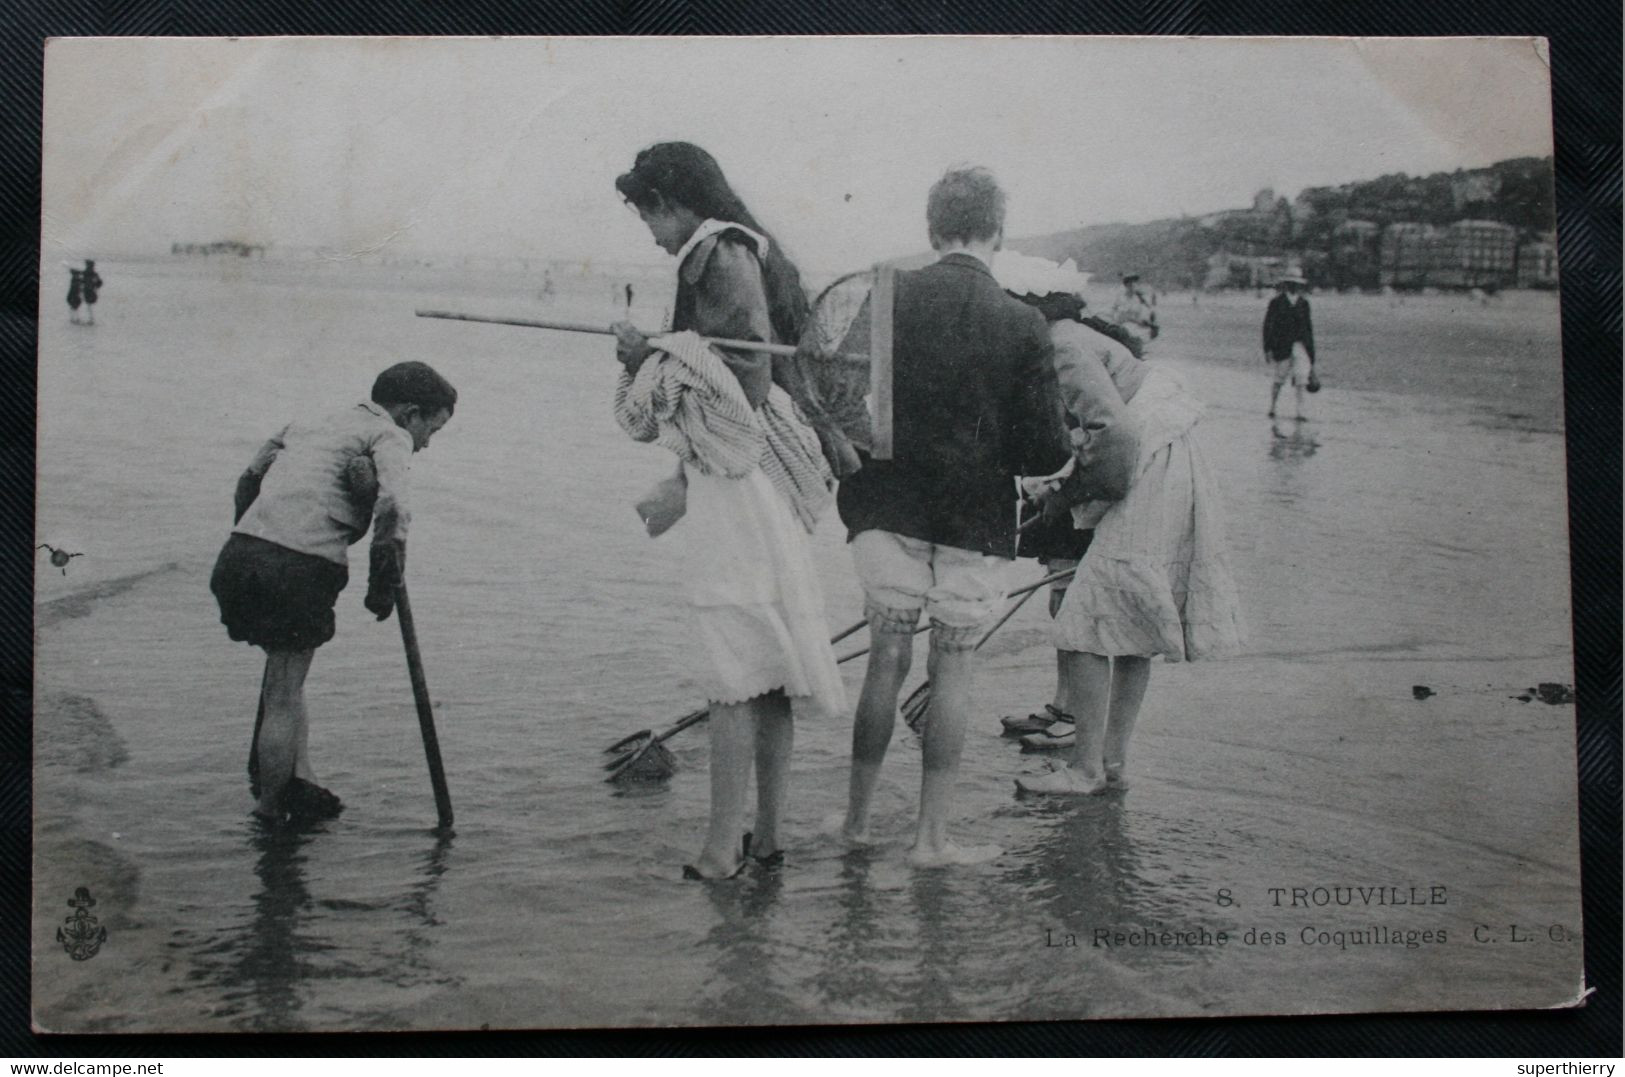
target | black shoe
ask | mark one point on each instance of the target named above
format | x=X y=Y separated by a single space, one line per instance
x=307 y=802
x=692 y=873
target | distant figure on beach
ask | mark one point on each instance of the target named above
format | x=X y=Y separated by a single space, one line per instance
x=1135 y=309
x=310 y=493
x=629 y=296
x=90 y=284
x=1289 y=341
x=76 y=293
x=547 y=285
x=1155 y=578
x=933 y=529
x=750 y=485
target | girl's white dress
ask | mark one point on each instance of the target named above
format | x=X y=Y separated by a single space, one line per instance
x=756 y=483
x=758 y=610
x=1156 y=579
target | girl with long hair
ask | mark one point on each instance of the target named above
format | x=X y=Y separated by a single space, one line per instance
x=749 y=489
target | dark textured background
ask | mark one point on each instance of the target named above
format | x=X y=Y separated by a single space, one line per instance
x=1585 y=36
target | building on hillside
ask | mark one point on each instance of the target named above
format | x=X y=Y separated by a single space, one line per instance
x=1475 y=254
x=1466 y=254
x=1226 y=270
x=1404 y=256
x=1354 y=257
x=1537 y=262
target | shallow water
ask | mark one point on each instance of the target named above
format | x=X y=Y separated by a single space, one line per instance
x=1415 y=531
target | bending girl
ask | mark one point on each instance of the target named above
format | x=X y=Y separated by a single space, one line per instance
x=1156 y=579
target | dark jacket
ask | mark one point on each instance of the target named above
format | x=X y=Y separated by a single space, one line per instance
x=972 y=407
x=1287 y=323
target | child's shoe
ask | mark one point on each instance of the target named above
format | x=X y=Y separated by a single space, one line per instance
x=307 y=802
x=1035 y=723
x=1049 y=742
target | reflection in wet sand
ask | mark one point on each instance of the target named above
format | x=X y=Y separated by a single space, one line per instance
x=267 y=969
x=740 y=947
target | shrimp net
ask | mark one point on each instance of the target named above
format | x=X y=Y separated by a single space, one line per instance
x=828 y=377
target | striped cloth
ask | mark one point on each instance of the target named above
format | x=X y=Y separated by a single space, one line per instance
x=685 y=399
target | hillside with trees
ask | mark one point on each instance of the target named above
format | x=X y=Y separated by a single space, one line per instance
x=1309 y=230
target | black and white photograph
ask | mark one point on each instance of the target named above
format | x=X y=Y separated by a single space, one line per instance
x=713 y=532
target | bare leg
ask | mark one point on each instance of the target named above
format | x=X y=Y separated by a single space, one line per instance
x=1298 y=390
x=1057 y=596
x=285 y=727
x=775 y=736
x=952 y=673
x=301 y=759
x=733 y=743
x=1088 y=678
x=889 y=663
x=1130 y=676
x=1275 y=393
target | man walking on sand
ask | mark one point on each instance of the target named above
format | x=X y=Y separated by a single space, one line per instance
x=933 y=529
x=1289 y=340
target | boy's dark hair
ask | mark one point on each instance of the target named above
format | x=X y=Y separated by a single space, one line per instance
x=965 y=205
x=414 y=383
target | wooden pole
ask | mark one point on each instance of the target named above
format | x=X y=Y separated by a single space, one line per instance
x=420 y=695
x=880 y=356
x=604 y=330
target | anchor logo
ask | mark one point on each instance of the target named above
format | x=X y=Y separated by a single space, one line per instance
x=80 y=934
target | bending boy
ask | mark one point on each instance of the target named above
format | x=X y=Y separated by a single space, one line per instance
x=310 y=493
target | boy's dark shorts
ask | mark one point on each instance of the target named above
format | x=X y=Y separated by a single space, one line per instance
x=274 y=597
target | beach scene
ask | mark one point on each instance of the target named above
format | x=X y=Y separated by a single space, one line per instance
x=1372 y=808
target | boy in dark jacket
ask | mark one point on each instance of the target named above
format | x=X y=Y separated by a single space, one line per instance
x=1289 y=340
x=933 y=529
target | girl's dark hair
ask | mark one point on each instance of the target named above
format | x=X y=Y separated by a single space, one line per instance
x=683 y=174
x=414 y=383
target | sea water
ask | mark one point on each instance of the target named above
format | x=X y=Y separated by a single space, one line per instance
x=1415 y=528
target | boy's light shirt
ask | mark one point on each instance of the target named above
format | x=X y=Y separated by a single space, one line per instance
x=305 y=503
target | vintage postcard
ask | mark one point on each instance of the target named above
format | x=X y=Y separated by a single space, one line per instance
x=1198 y=401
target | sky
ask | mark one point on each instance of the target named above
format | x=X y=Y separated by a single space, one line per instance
x=511 y=146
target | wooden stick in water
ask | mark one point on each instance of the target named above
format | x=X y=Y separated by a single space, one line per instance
x=420 y=695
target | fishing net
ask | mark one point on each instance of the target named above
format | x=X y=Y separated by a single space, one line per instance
x=828 y=377
x=651 y=763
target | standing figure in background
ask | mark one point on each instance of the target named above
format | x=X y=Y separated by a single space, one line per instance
x=629 y=299
x=750 y=485
x=1136 y=309
x=91 y=285
x=1289 y=340
x=76 y=293
x=933 y=529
